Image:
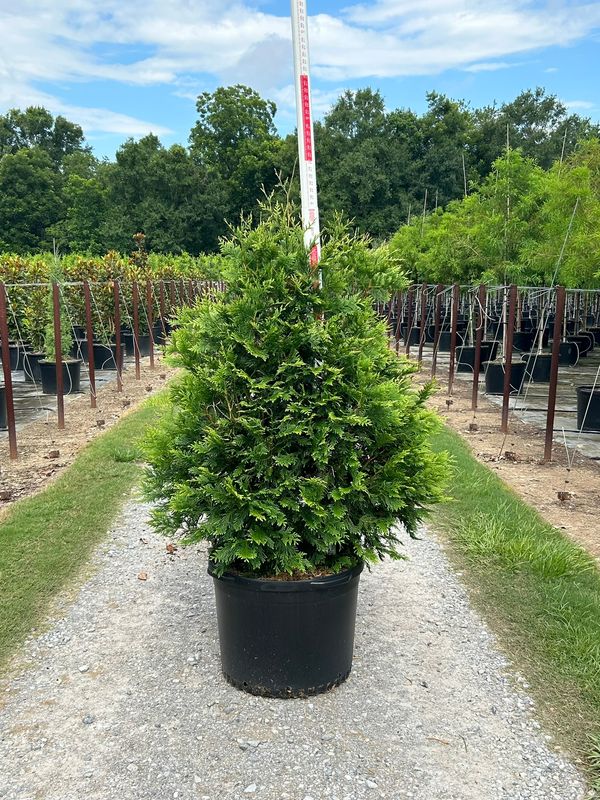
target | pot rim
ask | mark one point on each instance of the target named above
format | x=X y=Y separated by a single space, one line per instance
x=303 y=585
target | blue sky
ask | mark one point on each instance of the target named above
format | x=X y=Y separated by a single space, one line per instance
x=124 y=68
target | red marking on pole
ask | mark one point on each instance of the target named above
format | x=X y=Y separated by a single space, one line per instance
x=306 y=122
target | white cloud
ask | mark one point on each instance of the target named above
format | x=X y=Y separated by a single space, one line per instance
x=579 y=105
x=187 y=44
x=492 y=66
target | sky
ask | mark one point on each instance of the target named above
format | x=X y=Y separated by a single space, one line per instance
x=124 y=68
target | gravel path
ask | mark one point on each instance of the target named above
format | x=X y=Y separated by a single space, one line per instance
x=122 y=699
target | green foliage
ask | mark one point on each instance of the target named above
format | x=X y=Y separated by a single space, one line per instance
x=296 y=440
x=523 y=225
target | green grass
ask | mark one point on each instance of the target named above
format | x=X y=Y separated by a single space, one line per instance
x=46 y=539
x=539 y=591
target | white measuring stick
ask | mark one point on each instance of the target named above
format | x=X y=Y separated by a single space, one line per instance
x=306 y=147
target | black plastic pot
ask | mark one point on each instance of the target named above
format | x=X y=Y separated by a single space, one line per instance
x=286 y=638
x=537 y=367
x=143 y=344
x=105 y=356
x=588 y=408
x=494 y=377
x=3 y=422
x=466 y=357
x=446 y=340
x=31 y=367
x=16 y=353
x=595 y=331
x=523 y=340
x=415 y=336
x=568 y=354
x=79 y=332
x=493 y=347
x=71 y=376
x=584 y=341
x=80 y=349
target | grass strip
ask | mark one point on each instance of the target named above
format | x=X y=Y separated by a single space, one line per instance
x=539 y=591
x=46 y=539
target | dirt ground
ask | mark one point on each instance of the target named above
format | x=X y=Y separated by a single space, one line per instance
x=39 y=441
x=566 y=496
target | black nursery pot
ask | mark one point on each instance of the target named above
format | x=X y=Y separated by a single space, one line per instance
x=31 y=367
x=522 y=340
x=494 y=377
x=466 y=357
x=584 y=341
x=445 y=341
x=286 y=638
x=537 y=366
x=105 y=356
x=143 y=344
x=3 y=422
x=588 y=408
x=568 y=353
x=71 y=371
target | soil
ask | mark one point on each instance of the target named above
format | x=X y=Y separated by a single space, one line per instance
x=45 y=451
x=566 y=491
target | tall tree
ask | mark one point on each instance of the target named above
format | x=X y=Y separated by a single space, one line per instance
x=235 y=139
x=30 y=200
x=36 y=127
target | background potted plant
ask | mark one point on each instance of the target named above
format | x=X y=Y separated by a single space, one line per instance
x=71 y=367
x=296 y=446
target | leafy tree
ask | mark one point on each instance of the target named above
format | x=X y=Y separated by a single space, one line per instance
x=235 y=140
x=82 y=228
x=30 y=200
x=37 y=128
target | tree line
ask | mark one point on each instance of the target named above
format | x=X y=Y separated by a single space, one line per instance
x=381 y=168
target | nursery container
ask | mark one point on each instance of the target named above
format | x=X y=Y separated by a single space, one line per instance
x=523 y=340
x=584 y=341
x=143 y=344
x=466 y=357
x=71 y=376
x=105 y=356
x=286 y=638
x=3 y=422
x=588 y=408
x=494 y=377
x=537 y=367
x=31 y=367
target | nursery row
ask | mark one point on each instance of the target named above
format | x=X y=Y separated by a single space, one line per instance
x=510 y=337
x=56 y=336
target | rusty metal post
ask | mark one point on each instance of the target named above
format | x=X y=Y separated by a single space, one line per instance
x=8 y=386
x=398 y=320
x=409 y=320
x=181 y=292
x=117 y=297
x=424 y=294
x=510 y=330
x=60 y=389
x=161 y=301
x=90 y=342
x=552 y=390
x=453 y=325
x=150 y=315
x=478 y=340
x=191 y=294
x=172 y=298
x=437 y=327
x=136 y=328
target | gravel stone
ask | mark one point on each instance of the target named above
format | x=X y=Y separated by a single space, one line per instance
x=431 y=711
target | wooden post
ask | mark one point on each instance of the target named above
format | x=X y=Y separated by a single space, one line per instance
x=398 y=320
x=409 y=321
x=478 y=339
x=423 y=320
x=150 y=315
x=552 y=390
x=8 y=386
x=161 y=300
x=453 y=324
x=136 y=329
x=437 y=326
x=116 y=294
x=510 y=330
x=90 y=342
x=60 y=389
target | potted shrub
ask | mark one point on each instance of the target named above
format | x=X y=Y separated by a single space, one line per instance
x=297 y=447
x=71 y=367
x=35 y=321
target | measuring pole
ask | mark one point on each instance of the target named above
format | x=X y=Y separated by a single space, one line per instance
x=306 y=149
